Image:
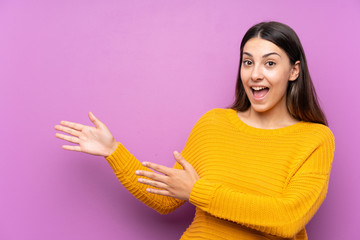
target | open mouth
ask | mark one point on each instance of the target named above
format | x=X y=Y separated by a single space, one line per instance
x=259 y=92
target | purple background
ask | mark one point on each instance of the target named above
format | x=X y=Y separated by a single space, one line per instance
x=149 y=70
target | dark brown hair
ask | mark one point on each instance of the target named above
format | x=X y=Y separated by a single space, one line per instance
x=301 y=98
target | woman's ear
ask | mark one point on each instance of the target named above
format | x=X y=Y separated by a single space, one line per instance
x=295 y=71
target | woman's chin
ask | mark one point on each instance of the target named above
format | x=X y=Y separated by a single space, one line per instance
x=259 y=108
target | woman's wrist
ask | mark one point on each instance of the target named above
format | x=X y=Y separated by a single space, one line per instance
x=112 y=149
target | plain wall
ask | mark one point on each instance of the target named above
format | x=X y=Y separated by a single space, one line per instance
x=149 y=70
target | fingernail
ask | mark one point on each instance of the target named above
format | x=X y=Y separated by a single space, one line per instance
x=176 y=153
x=137 y=172
x=144 y=163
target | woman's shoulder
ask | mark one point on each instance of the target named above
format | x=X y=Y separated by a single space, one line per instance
x=320 y=131
x=215 y=113
x=212 y=116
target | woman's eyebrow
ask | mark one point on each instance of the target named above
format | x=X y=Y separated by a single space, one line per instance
x=264 y=56
x=268 y=54
x=246 y=53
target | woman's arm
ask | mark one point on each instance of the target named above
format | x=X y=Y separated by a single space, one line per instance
x=99 y=141
x=124 y=165
x=282 y=215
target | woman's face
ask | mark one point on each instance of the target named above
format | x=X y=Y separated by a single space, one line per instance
x=265 y=72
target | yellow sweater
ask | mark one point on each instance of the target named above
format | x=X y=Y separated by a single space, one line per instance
x=254 y=183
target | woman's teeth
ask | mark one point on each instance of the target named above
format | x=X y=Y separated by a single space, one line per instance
x=258 y=88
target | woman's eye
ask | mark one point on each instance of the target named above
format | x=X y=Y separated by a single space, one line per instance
x=247 y=62
x=270 y=63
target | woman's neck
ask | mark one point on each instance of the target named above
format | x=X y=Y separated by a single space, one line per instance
x=267 y=120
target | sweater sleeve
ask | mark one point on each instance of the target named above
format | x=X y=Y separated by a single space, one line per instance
x=284 y=215
x=124 y=165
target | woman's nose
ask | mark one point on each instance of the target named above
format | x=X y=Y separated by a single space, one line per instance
x=256 y=73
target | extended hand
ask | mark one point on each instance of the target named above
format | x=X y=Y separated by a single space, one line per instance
x=175 y=183
x=93 y=140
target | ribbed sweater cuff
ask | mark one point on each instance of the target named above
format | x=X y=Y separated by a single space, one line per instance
x=202 y=192
x=119 y=158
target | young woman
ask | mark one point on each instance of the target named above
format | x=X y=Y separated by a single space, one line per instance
x=256 y=170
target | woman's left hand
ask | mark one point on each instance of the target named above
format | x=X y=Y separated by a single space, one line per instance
x=176 y=183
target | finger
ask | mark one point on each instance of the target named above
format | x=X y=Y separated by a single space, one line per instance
x=95 y=120
x=158 y=167
x=67 y=138
x=153 y=176
x=68 y=130
x=76 y=126
x=152 y=183
x=72 y=148
x=181 y=160
x=159 y=192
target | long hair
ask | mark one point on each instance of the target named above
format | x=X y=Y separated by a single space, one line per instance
x=301 y=98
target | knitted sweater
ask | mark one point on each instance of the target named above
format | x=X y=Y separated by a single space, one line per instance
x=254 y=183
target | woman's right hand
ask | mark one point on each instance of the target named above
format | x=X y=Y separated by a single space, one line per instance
x=93 y=140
